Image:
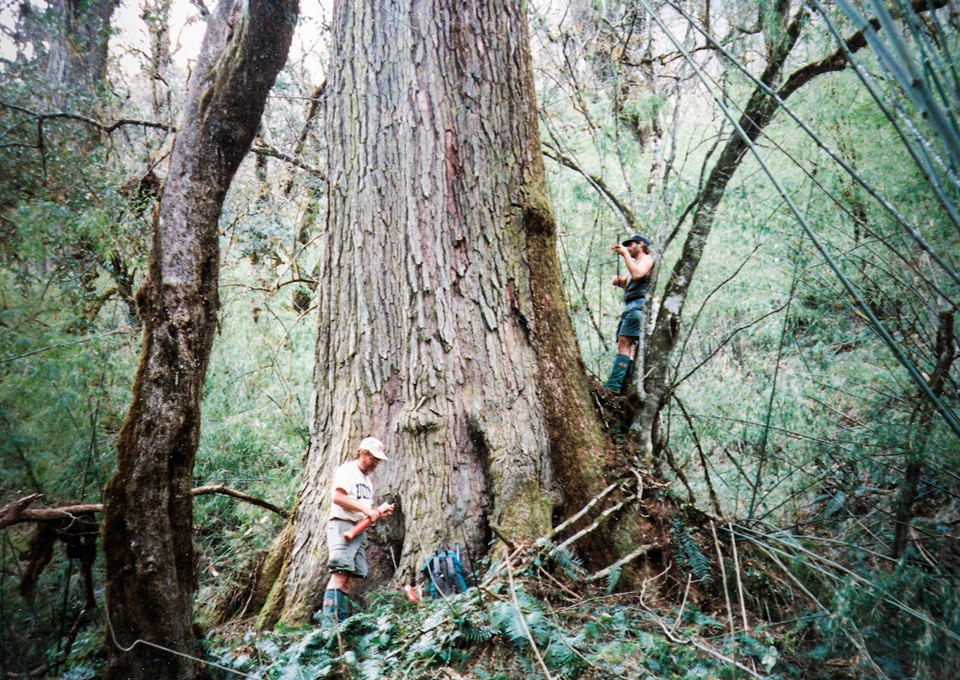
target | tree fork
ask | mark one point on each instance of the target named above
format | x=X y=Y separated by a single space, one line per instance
x=763 y=104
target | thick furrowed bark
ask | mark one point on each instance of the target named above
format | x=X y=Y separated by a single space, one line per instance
x=77 y=59
x=439 y=331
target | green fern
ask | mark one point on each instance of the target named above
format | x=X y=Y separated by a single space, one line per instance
x=689 y=556
x=476 y=634
x=561 y=654
x=613 y=577
x=514 y=622
x=571 y=565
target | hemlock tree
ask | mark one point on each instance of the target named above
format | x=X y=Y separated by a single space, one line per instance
x=443 y=325
x=77 y=59
x=148 y=508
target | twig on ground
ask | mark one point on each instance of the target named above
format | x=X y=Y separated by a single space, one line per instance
x=523 y=622
x=736 y=566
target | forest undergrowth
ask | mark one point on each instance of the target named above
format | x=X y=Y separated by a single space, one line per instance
x=718 y=600
x=728 y=602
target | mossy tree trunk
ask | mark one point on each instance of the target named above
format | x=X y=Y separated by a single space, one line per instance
x=443 y=325
x=148 y=507
x=78 y=46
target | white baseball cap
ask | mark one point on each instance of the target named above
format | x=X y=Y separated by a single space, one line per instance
x=374 y=446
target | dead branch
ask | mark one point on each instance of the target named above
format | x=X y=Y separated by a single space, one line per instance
x=233 y=493
x=583 y=511
x=583 y=532
x=263 y=150
x=105 y=127
x=639 y=552
x=17 y=512
x=11 y=511
x=597 y=182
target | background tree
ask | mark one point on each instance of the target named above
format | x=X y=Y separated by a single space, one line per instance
x=77 y=59
x=148 y=508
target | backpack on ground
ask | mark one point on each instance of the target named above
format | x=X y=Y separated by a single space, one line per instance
x=443 y=573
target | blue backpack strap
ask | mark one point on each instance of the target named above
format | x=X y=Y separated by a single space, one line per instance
x=451 y=573
x=434 y=572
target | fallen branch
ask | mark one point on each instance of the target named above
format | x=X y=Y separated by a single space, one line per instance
x=17 y=512
x=583 y=532
x=583 y=511
x=702 y=646
x=639 y=552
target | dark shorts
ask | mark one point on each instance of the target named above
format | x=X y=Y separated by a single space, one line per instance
x=346 y=557
x=631 y=319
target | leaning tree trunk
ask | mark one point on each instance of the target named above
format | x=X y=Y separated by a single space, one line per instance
x=443 y=326
x=920 y=432
x=663 y=340
x=148 y=509
x=757 y=115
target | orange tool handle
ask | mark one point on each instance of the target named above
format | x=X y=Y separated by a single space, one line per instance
x=357 y=528
x=411 y=593
x=363 y=524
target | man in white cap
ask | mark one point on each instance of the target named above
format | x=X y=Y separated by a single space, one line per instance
x=351 y=501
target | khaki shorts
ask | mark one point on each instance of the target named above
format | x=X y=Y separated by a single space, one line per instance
x=346 y=557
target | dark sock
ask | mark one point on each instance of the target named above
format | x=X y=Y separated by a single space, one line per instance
x=343 y=606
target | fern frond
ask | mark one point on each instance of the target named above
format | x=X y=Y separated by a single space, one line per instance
x=613 y=577
x=571 y=565
x=689 y=556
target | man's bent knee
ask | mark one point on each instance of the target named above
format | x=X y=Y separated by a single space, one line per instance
x=626 y=345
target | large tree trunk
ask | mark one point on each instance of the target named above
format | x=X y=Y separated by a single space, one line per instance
x=443 y=326
x=148 y=509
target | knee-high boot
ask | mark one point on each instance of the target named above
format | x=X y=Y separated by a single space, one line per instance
x=618 y=374
x=336 y=605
